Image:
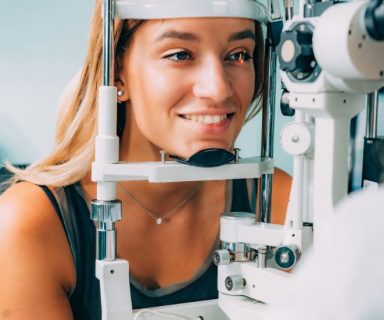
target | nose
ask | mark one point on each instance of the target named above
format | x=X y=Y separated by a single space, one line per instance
x=212 y=82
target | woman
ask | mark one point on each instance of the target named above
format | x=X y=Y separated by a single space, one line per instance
x=184 y=85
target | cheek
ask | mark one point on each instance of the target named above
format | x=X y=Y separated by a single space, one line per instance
x=251 y=85
x=152 y=99
x=245 y=88
x=249 y=94
x=155 y=90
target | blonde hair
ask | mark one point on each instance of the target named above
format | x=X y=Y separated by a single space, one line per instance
x=76 y=129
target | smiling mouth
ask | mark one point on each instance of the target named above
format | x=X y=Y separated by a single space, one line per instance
x=207 y=119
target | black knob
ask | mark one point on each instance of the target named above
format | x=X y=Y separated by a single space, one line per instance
x=286 y=256
x=286 y=110
x=296 y=52
x=374 y=19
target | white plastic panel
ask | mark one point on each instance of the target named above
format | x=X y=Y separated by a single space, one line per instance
x=172 y=171
x=262 y=284
x=262 y=234
x=207 y=309
x=168 y=9
x=114 y=288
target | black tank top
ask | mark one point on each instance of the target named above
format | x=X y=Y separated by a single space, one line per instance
x=81 y=234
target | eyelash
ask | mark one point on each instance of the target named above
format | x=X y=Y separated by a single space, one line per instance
x=240 y=57
x=174 y=55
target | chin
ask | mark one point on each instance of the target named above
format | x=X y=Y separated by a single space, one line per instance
x=209 y=145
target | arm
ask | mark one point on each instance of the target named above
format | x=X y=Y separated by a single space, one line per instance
x=36 y=267
x=281 y=188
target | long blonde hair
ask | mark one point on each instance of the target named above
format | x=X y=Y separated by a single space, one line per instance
x=76 y=129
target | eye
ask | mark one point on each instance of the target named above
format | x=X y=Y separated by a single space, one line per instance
x=179 y=56
x=239 y=57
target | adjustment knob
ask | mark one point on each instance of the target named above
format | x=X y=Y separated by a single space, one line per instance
x=235 y=283
x=286 y=256
x=106 y=211
x=221 y=257
x=296 y=138
x=295 y=51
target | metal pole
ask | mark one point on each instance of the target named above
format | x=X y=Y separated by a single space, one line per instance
x=372 y=113
x=107 y=41
x=288 y=6
x=267 y=140
x=105 y=211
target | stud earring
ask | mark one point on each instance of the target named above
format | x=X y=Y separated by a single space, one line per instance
x=120 y=93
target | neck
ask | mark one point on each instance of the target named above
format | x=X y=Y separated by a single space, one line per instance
x=157 y=192
x=168 y=211
x=149 y=193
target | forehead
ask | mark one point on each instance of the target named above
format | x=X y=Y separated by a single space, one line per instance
x=195 y=29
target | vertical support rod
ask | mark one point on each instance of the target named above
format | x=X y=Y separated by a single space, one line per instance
x=107 y=41
x=294 y=216
x=308 y=181
x=301 y=5
x=106 y=210
x=267 y=138
x=288 y=6
x=372 y=113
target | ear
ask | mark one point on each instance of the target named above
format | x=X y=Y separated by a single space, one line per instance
x=122 y=91
x=119 y=83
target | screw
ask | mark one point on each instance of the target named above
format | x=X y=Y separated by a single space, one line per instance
x=295 y=139
x=237 y=154
x=163 y=156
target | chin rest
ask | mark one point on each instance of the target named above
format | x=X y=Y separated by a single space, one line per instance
x=207 y=158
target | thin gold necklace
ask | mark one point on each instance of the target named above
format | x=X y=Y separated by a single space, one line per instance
x=160 y=220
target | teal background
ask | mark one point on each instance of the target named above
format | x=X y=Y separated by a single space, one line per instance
x=42 y=46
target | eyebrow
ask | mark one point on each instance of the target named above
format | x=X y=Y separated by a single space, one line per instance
x=173 y=34
x=245 y=34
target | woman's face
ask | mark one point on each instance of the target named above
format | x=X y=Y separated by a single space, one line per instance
x=189 y=82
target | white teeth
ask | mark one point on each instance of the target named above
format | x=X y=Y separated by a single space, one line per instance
x=206 y=119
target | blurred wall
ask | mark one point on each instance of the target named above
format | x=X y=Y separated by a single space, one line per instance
x=42 y=46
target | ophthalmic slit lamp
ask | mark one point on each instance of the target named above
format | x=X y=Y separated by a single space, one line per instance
x=329 y=62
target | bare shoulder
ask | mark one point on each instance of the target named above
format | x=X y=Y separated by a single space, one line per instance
x=282 y=178
x=20 y=194
x=25 y=207
x=281 y=188
x=38 y=273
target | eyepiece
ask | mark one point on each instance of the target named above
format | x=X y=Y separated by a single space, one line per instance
x=374 y=19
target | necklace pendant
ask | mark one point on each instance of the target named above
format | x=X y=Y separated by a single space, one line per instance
x=159 y=221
